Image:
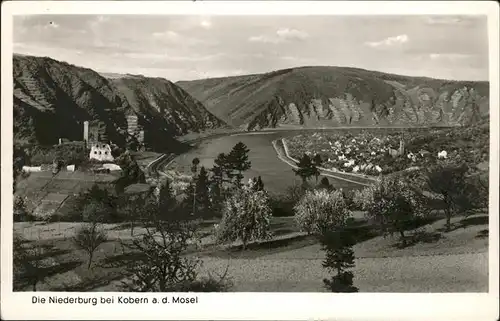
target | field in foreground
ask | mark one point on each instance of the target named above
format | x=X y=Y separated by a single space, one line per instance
x=456 y=261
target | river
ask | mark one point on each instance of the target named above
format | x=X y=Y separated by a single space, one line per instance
x=276 y=175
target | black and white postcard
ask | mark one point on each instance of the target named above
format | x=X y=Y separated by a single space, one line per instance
x=250 y=160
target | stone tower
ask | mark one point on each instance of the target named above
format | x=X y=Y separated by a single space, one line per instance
x=86 y=131
x=401 y=146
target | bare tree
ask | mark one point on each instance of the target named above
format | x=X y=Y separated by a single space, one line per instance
x=91 y=235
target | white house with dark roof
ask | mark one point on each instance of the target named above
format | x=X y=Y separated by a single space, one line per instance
x=101 y=152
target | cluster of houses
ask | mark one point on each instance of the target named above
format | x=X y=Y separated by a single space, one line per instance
x=361 y=155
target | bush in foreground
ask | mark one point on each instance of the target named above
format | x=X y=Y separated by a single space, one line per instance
x=319 y=209
x=246 y=216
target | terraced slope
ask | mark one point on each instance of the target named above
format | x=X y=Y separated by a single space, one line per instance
x=337 y=96
x=169 y=102
x=52 y=99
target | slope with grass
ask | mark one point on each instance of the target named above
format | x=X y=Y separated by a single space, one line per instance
x=48 y=92
x=437 y=261
x=337 y=96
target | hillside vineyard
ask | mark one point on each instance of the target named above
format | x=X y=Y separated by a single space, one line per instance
x=336 y=96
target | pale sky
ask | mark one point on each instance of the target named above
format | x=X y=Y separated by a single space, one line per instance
x=193 y=47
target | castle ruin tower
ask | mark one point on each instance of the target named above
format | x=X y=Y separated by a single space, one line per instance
x=86 y=132
x=401 y=145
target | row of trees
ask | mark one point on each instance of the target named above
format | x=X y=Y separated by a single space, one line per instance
x=394 y=204
x=210 y=188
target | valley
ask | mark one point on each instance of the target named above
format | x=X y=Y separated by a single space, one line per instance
x=262 y=124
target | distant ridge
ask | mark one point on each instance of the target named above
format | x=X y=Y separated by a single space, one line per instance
x=312 y=96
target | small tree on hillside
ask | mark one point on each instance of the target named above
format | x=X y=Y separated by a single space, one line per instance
x=203 y=193
x=221 y=171
x=306 y=169
x=259 y=184
x=91 y=235
x=164 y=205
x=194 y=165
x=133 y=206
x=393 y=205
x=131 y=172
x=216 y=189
x=450 y=183
x=246 y=216
x=238 y=161
x=163 y=266
x=317 y=161
x=132 y=143
x=337 y=242
x=199 y=187
x=192 y=189
x=320 y=209
x=325 y=214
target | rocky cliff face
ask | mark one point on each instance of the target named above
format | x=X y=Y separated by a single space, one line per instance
x=52 y=99
x=335 y=96
x=157 y=96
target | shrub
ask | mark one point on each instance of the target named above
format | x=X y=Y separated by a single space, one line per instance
x=207 y=284
x=204 y=285
x=246 y=216
x=21 y=213
x=320 y=209
x=479 y=187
